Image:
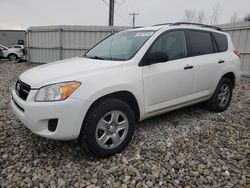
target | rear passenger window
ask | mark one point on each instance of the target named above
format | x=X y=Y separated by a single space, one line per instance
x=201 y=43
x=221 y=41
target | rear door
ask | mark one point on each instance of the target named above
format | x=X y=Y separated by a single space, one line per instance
x=207 y=63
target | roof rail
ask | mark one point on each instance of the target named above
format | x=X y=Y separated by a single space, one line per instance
x=202 y=25
x=163 y=24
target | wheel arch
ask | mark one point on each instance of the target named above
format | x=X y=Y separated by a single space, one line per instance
x=125 y=96
x=12 y=54
x=231 y=77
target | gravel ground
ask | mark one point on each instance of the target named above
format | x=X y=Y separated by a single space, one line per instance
x=186 y=148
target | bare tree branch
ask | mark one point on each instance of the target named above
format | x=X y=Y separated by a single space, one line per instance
x=190 y=15
x=234 y=18
x=247 y=18
x=216 y=14
x=201 y=17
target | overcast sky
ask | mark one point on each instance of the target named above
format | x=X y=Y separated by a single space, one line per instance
x=21 y=14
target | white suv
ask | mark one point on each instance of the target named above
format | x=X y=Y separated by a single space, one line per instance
x=127 y=77
x=12 y=53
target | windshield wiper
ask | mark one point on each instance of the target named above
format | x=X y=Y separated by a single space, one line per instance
x=94 y=57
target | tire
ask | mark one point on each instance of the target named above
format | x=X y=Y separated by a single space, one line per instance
x=103 y=135
x=12 y=57
x=222 y=96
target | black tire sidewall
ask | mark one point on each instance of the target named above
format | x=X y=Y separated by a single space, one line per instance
x=214 y=103
x=13 y=55
x=92 y=119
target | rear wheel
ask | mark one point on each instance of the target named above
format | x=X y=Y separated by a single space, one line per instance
x=221 y=97
x=12 y=57
x=108 y=128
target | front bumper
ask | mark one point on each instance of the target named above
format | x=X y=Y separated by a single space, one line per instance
x=36 y=115
x=22 y=57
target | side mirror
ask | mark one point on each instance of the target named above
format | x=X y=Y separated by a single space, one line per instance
x=157 y=57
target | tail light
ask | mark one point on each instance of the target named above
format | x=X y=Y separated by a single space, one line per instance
x=237 y=53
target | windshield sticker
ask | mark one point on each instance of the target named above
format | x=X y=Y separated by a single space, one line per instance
x=144 y=34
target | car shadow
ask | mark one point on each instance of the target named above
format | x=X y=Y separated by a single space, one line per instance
x=174 y=116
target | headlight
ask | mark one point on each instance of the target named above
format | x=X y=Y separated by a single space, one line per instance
x=56 y=92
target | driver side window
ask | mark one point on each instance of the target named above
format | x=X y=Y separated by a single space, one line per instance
x=173 y=43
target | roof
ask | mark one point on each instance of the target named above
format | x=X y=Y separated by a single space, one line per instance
x=181 y=25
x=148 y=28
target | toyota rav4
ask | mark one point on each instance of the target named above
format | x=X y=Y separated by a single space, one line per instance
x=132 y=75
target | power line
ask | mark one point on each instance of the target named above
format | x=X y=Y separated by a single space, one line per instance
x=121 y=3
x=125 y=20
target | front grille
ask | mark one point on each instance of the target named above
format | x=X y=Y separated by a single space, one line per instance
x=22 y=89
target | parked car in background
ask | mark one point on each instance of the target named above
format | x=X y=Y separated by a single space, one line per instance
x=16 y=46
x=130 y=76
x=20 y=47
x=1 y=52
x=2 y=49
x=13 y=53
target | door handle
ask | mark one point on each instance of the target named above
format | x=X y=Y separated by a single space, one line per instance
x=188 y=67
x=221 y=61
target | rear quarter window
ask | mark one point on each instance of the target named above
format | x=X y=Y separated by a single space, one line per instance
x=221 y=41
x=200 y=42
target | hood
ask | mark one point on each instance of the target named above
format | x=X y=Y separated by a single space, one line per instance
x=65 y=70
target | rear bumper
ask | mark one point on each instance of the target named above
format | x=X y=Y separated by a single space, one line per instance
x=238 y=76
x=36 y=115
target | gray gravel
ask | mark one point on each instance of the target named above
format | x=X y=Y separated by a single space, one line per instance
x=186 y=148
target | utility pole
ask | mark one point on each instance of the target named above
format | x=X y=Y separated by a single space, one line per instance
x=133 y=14
x=111 y=12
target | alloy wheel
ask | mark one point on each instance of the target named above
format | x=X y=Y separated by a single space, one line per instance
x=112 y=129
x=224 y=95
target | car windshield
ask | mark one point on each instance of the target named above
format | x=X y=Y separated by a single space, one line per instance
x=120 y=46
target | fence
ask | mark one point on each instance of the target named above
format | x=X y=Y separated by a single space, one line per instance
x=240 y=34
x=51 y=43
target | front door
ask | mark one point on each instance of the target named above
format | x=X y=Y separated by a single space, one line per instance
x=167 y=83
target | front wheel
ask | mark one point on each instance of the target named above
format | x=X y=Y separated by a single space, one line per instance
x=13 y=57
x=107 y=128
x=222 y=96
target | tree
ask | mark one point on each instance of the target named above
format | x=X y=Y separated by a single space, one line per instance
x=234 y=18
x=215 y=14
x=190 y=15
x=201 y=17
x=247 y=18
